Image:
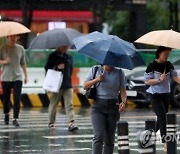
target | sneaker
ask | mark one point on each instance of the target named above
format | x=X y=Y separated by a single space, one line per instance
x=158 y=136
x=51 y=126
x=72 y=127
x=15 y=123
x=6 y=119
x=165 y=148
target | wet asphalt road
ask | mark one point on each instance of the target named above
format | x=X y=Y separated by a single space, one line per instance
x=34 y=137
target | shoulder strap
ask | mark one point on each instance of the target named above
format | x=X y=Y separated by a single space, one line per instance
x=95 y=71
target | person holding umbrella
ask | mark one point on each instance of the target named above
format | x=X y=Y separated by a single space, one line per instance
x=158 y=77
x=62 y=61
x=159 y=73
x=59 y=39
x=106 y=106
x=113 y=53
x=12 y=59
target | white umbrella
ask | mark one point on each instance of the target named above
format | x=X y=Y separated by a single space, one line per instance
x=167 y=38
x=12 y=28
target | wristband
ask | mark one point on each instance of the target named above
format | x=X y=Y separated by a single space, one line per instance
x=123 y=102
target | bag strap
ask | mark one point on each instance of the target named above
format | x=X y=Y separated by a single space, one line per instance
x=95 y=71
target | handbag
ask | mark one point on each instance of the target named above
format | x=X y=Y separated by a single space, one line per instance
x=53 y=80
x=91 y=92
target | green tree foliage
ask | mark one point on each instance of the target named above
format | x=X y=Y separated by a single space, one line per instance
x=119 y=22
x=2 y=40
x=158 y=15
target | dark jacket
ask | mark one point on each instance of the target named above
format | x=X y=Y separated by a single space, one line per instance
x=57 y=58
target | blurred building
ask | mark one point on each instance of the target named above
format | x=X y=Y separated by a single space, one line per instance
x=49 y=19
x=74 y=13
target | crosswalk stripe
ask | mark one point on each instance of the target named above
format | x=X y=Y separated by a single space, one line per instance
x=37 y=121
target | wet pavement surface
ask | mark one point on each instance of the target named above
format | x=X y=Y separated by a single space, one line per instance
x=34 y=137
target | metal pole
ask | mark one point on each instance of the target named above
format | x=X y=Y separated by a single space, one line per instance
x=123 y=138
x=171 y=137
x=151 y=125
x=147 y=138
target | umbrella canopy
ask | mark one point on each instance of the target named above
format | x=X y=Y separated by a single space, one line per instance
x=166 y=38
x=12 y=28
x=108 y=50
x=54 y=38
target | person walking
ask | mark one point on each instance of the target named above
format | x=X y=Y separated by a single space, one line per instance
x=106 y=106
x=60 y=60
x=158 y=77
x=12 y=59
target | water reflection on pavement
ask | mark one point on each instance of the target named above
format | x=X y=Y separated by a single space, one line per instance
x=34 y=137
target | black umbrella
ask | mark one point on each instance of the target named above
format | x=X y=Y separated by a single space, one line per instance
x=54 y=38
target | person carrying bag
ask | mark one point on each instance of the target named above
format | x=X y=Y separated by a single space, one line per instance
x=91 y=92
x=106 y=106
x=62 y=62
x=53 y=81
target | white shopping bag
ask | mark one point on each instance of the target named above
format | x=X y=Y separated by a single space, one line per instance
x=53 y=81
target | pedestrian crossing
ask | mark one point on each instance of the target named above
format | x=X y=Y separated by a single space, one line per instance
x=34 y=137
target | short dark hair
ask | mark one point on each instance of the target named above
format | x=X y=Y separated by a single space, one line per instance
x=160 y=50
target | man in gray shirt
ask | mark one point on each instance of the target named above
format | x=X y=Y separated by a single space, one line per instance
x=12 y=60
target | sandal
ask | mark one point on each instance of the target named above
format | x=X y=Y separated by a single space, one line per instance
x=72 y=127
x=51 y=126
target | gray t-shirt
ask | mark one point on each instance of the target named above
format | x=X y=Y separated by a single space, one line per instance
x=113 y=81
x=13 y=70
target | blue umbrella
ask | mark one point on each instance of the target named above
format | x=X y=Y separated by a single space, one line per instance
x=108 y=50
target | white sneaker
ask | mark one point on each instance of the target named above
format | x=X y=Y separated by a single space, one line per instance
x=158 y=137
x=165 y=148
x=158 y=133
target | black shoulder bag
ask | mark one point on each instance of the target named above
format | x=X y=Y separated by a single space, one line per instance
x=91 y=92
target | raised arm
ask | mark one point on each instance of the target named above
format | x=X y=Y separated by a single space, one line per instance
x=89 y=84
x=5 y=61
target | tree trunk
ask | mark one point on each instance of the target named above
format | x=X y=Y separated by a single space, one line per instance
x=99 y=10
x=176 y=16
x=27 y=13
x=171 y=25
x=174 y=21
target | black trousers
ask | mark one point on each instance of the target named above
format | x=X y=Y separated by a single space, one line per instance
x=160 y=105
x=7 y=87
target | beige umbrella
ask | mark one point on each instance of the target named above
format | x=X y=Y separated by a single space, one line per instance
x=167 y=38
x=12 y=28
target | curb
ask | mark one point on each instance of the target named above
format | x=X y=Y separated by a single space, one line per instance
x=42 y=100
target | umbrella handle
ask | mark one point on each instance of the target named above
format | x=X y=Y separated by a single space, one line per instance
x=165 y=68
